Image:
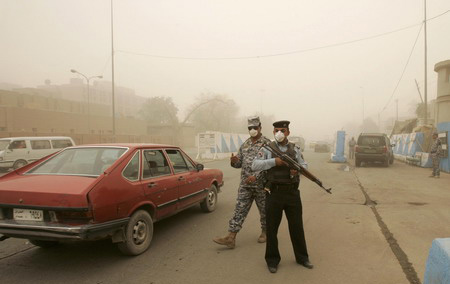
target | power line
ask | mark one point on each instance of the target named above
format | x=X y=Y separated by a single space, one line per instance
x=270 y=55
x=429 y=19
x=404 y=69
x=282 y=53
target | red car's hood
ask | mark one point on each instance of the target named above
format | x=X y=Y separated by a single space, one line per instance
x=46 y=190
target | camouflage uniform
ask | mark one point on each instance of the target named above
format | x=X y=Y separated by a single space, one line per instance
x=249 y=192
x=436 y=152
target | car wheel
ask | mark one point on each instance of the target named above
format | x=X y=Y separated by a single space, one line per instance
x=138 y=234
x=210 y=202
x=386 y=162
x=357 y=162
x=19 y=163
x=391 y=161
x=44 y=244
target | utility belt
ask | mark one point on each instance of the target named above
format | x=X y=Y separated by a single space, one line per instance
x=280 y=186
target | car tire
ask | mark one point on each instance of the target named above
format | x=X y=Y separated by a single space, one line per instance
x=357 y=162
x=209 y=204
x=19 y=163
x=138 y=234
x=391 y=161
x=44 y=244
x=386 y=162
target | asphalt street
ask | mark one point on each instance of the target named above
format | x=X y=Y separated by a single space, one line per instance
x=376 y=227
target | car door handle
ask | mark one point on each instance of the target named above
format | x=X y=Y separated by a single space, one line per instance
x=181 y=178
x=152 y=184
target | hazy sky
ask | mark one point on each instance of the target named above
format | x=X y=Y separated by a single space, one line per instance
x=319 y=91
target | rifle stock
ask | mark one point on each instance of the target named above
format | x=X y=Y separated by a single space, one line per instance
x=296 y=166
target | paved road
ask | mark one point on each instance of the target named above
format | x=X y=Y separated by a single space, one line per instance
x=376 y=227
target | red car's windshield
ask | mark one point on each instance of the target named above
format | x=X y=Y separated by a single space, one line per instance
x=85 y=161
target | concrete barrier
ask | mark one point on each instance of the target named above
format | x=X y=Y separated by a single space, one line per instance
x=218 y=145
x=339 y=147
x=438 y=264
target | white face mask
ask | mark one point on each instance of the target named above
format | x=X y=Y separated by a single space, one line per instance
x=253 y=132
x=279 y=136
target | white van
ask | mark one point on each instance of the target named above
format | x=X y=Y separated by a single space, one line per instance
x=16 y=152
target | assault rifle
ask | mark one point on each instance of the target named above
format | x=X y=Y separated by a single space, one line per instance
x=295 y=165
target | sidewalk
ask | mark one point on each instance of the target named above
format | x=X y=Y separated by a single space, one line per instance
x=414 y=207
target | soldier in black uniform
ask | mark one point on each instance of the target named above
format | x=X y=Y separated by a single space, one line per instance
x=283 y=195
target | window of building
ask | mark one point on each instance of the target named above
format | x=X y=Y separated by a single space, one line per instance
x=20 y=101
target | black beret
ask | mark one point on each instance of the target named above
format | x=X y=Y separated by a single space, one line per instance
x=281 y=124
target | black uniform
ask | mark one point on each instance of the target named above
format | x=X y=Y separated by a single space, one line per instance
x=284 y=196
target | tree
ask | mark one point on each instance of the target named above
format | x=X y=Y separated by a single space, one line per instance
x=159 y=110
x=420 y=110
x=369 y=126
x=215 y=112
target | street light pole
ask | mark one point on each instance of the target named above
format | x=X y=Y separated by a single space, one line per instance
x=362 y=92
x=112 y=75
x=88 y=95
x=425 y=59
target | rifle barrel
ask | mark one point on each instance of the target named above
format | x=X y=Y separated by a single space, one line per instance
x=294 y=164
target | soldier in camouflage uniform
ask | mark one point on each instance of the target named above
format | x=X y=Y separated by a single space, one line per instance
x=436 y=152
x=251 y=186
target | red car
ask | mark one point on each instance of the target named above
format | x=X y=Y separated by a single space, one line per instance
x=103 y=191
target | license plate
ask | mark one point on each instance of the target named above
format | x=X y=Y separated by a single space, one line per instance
x=370 y=151
x=28 y=215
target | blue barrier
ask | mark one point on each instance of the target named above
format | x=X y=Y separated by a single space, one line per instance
x=406 y=139
x=438 y=263
x=415 y=144
x=339 y=148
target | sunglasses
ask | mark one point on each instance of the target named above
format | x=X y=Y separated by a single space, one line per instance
x=253 y=127
x=283 y=130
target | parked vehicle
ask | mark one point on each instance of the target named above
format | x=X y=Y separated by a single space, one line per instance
x=299 y=141
x=16 y=152
x=322 y=146
x=374 y=147
x=112 y=191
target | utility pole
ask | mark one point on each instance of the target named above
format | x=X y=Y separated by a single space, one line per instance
x=112 y=74
x=425 y=43
x=362 y=94
x=379 y=126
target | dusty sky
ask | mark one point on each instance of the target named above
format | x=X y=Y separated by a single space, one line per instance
x=320 y=91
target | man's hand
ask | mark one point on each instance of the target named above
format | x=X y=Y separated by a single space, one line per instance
x=250 y=180
x=234 y=159
x=294 y=172
x=280 y=162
